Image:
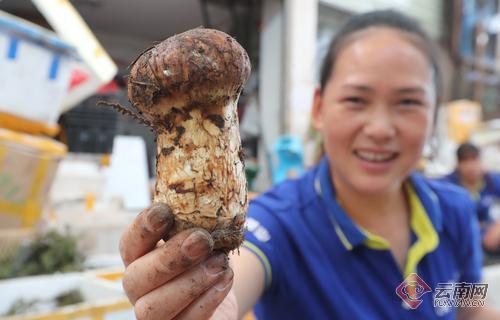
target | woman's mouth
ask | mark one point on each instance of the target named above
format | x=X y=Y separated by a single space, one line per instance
x=376 y=157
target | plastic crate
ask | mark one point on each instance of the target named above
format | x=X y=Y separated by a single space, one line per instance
x=28 y=166
x=35 y=71
x=89 y=128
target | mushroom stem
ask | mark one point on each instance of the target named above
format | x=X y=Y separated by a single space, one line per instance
x=200 y=169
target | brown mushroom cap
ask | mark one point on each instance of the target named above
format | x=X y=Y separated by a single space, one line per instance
x=196 y=67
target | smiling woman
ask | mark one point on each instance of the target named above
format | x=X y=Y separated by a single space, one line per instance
x=374 y=128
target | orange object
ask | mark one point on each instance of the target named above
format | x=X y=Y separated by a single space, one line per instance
x=463 y=117
x=20 y=124
x=106 y=160
x=89 y=201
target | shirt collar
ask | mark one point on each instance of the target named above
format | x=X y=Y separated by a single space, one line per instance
x=428 y=198
x=348 y=232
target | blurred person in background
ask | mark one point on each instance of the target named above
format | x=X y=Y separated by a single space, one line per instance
x=339 y=241
x=484 y=188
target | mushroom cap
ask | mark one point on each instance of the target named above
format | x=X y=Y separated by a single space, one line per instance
x=195 y=67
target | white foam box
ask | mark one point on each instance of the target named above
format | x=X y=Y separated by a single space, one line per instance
x=492 y=278
x=101 y=291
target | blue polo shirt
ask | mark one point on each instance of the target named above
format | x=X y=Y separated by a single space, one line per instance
x=320 y=265
x=488 y=191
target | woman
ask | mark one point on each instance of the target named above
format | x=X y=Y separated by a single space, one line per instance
x=340 y=241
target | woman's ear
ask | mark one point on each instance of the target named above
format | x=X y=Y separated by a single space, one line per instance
x=317 y=119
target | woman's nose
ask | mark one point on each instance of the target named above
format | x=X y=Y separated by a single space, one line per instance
x=379 y=124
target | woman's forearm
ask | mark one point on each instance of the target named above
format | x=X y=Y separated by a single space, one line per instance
x=248 y=283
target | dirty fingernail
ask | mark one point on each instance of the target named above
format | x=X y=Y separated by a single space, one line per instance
x=216 y=264
x=225 y=281
x=196 y=244
x=160 y=216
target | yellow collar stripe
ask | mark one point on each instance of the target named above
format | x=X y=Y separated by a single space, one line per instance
x=375 y=242
x=342 y=237
x=427 y=237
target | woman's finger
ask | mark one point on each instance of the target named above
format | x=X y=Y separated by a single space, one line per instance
x=142 y=235
x=172 y=298
x=214 y=298
x=174 y=257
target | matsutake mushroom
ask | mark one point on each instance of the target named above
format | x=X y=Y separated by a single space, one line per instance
x=186 y=89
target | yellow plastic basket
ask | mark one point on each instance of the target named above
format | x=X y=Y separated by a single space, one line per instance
x=27 y=168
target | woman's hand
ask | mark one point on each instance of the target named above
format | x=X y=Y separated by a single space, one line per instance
x=180 y=278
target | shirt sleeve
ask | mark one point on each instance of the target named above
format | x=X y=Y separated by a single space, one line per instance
x=471 y=250
x=262 y=238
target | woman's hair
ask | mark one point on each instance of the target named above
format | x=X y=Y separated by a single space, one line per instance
x=382 y=18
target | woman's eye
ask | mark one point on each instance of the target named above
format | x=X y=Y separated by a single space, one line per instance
x=410 y=102
x=354 y=100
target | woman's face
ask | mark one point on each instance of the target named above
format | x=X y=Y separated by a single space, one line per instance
x=376 y=110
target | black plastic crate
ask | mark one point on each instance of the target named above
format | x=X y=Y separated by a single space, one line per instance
x=89 y=128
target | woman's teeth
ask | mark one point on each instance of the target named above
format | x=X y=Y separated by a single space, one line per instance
x=376 y=156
